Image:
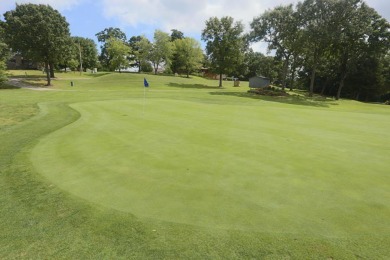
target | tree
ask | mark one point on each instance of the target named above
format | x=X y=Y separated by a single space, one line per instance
x=38 y=32
x=70 y=58
x=176 y=35
x=103 y=37
x=133 y=43
x=224 y=44
x=144 y=48
x=117 y=52
x=189 y=54
x=141 y=48
x=3 y=55
x=175 y=63
x=317 y=21
x=161 y=51
x=88 y=50
x=361 y=33
x=280 y=29
x=81 y=52
x=259 y=64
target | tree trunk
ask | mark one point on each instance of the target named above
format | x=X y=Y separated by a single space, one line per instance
x=357 y=96
x=344 y=72
x=292 y=77
x=155 y=68
x=324 y=86
x=341 y=85
x=47 y=73
x=220 y=80
x=285 y=70
x=313 y=76
x=52 y=70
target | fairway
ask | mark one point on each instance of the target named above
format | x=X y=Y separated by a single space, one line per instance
x=188 y=170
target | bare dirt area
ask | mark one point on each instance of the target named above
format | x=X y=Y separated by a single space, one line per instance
x=20 y=84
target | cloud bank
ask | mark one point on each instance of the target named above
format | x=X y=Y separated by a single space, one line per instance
x=56 y=4
x=185 y=15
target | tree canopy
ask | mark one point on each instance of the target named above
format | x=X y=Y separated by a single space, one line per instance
x=118 y=53
x=103 y=37
x=329 y=41
x=3 y=56
x=38 y=32
x=161 y=51
x=224 y=44
x=88 y=51
x=332 y=47
x=189 y=55
x=279 y=28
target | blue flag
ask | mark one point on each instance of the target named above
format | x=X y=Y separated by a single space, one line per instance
x=146 y=84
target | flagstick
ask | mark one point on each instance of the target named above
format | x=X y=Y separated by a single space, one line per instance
x=143 y=110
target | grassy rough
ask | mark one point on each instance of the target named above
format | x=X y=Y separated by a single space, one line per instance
x=214 y=173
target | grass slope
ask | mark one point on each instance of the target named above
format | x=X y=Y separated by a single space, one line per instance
x=192 y=171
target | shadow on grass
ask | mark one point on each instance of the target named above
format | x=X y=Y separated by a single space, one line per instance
x=97 y=75
x=8 y=86
x=27 y=77
x=316 y=101
x=191 y=86
x=39 y=82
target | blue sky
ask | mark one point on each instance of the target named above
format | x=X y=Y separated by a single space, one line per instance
x=143 y=17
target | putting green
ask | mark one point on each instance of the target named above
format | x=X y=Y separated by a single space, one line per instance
x=263 y=167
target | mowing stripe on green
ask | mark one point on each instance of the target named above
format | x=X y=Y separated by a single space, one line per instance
x=260 y=168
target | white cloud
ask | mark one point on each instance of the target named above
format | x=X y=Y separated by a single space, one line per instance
x=56 y=4
x=188 y=16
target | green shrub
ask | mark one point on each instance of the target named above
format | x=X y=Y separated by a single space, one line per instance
x=268 y=91
x=3 y=77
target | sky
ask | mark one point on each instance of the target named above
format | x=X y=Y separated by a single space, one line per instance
x=143 y=17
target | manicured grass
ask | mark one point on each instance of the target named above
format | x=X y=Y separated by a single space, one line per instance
x=187 y=170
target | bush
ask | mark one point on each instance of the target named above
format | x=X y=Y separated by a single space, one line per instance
x=146 y=67
x=3 y=77
x=268 y=91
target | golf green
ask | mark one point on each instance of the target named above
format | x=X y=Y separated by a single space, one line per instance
x=249 y=166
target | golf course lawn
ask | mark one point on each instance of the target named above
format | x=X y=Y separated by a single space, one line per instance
x=108 y=169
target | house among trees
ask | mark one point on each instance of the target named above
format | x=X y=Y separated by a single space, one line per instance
x=259 y=82
x=18 y=62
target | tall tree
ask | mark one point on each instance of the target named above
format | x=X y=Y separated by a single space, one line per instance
x=189 y=54
x=176 y=35
x=259 y=64
x=117 y=51
x=224 y=44
x=175 y=63
x=80 y=52
x=280 y=29
x=361 y=31
x=317 y=21
x=144 y=48
x=161 y=51
x=133 y=43
x=38 y=32
x=3 y=54
x=70 y=58
x=88 y=51
x=103 y=37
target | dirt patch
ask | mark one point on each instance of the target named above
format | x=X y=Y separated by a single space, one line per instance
x=20 y=84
